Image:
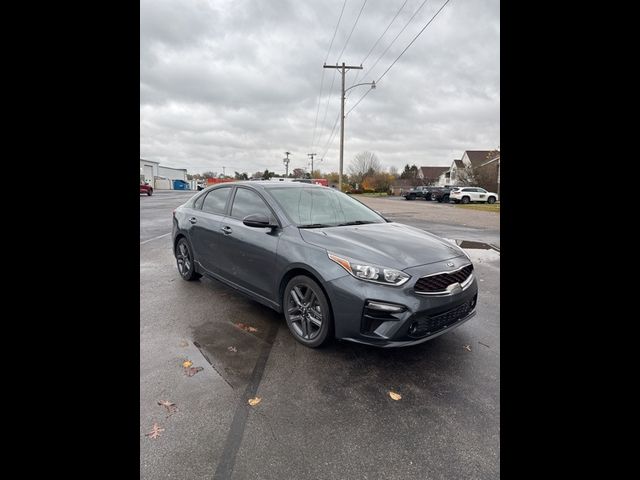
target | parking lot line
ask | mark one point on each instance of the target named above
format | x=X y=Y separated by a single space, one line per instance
x=155 y=238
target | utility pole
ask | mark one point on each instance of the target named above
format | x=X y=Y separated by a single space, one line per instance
x=311 y=155
x=223 y=174
x=343 y=68
x=286 y=163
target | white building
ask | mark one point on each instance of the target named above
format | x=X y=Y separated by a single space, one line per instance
x=172 y=173
x=160 y=177
x=149 y=169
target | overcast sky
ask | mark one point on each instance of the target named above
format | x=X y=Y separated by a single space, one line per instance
x=236 y=83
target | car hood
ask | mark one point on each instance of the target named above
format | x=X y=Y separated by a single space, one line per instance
x=390 y=244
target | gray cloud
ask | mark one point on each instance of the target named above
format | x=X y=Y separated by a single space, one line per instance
x=236 y=83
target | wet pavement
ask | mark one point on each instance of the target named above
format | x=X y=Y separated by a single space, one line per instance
x=324 y=413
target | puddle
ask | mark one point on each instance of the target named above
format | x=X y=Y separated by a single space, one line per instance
x=479 y=252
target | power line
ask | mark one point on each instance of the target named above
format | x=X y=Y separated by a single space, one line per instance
x=322 y=78
x=414 y=39
x=395 y=38
x=352 y=29
x=339 y=57
x=402 y=53
x=378 y=40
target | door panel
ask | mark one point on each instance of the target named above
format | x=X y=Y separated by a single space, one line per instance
x=205 y=233
x=248 y=254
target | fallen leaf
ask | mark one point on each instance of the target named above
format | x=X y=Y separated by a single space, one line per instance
x=191 y=371
x=187 y=363
x=254 y=401
x=395 y=396
x=184 y=343
x=468 y=347
x=170 y=406
x=232 y=349
x=246 y=328
x=155 y=431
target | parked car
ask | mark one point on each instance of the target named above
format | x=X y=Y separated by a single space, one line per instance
x=472 y=194
x=418 y=192
x=441 y=194
x=330 y=264
x=146 y=188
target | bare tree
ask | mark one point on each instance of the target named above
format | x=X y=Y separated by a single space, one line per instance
x=364 y=164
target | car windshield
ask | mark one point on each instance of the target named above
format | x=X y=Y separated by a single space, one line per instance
x=322 y=207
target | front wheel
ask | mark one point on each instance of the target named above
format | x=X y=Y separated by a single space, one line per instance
x=465 y=200
x=445 y=199
x=307 y=311
x=491 y=200
x=149 y=192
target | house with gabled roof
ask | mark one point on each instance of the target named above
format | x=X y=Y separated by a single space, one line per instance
x=485 y=165
x=430 y=175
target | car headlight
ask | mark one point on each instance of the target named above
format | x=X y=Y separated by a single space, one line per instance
x=370 y=273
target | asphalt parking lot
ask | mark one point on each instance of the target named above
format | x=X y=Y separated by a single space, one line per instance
x=323 y=413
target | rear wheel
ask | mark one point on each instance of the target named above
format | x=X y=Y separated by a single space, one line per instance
x=307 y=311
x=465 y=200
x=184 y=259
x=149 y=192
x=491 y=200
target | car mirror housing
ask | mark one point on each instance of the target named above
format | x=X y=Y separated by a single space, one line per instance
x=259 y=220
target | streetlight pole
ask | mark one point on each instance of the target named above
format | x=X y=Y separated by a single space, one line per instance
x=343 y=68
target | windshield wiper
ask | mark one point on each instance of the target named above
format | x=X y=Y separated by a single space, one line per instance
x=356 y=222
x=315 y=225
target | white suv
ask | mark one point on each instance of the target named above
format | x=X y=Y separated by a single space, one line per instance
x=472 y=194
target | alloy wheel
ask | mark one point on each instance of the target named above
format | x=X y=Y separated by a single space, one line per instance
x=305 y=312
x=184 y=259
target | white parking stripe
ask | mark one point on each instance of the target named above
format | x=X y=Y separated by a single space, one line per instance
x=154 y=238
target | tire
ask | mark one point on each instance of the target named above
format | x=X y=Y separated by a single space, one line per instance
x=149 y=192
x=428 y=197
x=302 y=295
x=491 y=200
x=445 y=199
x=411 y=197
x=439 y=200
x=465 y=200
x=184 y=260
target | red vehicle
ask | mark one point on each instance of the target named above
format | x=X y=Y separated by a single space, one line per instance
x=146 y=188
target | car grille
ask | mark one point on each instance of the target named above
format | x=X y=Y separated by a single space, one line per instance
x=430 y=325
x=440 y=282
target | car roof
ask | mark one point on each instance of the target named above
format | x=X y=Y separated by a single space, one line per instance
x=269 y=184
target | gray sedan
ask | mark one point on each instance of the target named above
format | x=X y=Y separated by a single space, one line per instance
x=333 y=266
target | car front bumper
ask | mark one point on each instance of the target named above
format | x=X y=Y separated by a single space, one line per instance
x=415 y=318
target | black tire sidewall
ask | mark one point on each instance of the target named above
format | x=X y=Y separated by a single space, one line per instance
x=327 y=323
x=192 y=274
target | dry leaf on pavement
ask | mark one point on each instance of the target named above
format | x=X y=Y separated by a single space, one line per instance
x=395 y=396
x=246 y=328
x=155 y=431
x=232 y=349
x=191 y=371
x=254 y=401
x=468 y=347
x=187 y=363
x=170 y=406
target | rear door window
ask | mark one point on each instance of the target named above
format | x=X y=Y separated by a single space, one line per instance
x=216 y=201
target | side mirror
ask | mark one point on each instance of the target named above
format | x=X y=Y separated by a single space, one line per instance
x=259 y=220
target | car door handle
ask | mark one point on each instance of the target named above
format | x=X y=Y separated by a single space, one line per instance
x=193 y=220
x=227 y=230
